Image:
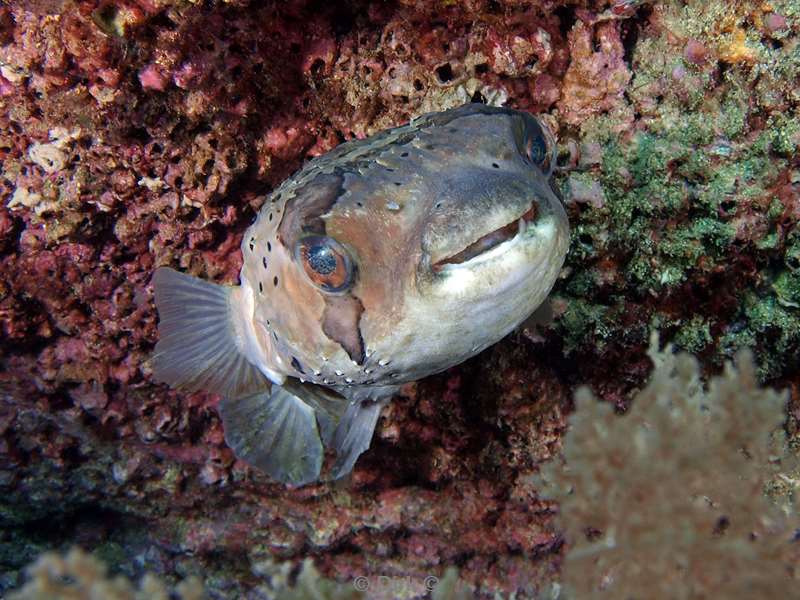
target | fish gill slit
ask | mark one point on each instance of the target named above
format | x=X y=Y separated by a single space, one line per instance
x=297 y=366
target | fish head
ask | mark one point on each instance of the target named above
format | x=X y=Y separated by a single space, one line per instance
x=401 y=256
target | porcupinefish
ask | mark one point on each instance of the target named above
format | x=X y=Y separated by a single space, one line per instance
x=381 y=262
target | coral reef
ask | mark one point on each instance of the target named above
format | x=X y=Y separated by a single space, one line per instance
x=81 y=576
x=687 y=187
x=668 y=501
x=139 y=133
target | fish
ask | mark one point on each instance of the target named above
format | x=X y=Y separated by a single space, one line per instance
x=381 y=262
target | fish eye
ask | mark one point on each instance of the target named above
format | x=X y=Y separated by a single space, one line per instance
x=325 y=262
x=540 y=146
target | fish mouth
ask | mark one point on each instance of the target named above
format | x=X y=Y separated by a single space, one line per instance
x=485 y=243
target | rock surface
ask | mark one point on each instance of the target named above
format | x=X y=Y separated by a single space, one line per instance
x=141 y=133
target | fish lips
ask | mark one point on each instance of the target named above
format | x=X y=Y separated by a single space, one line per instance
x=539 y=230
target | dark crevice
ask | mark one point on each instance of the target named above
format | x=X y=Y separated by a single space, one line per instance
x=566 y=18
x=444 y=73
x=631 y=29
x=478 y=97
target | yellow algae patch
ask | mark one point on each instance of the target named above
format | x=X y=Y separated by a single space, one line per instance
x=736 y=49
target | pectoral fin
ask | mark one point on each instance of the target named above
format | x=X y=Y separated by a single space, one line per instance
x=198 y=347
x=276 y=432
x=354 y=434
x=329 y=405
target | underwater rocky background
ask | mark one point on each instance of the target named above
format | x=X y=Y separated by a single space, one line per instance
x=144 y=133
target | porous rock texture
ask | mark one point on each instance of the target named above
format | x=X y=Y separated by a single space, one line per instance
x=139 y=133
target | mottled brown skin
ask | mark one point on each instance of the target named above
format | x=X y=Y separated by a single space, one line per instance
x=400 y=203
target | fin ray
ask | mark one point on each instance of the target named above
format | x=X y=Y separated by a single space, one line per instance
x=197 y=349
x=354 y=434
x=276 y=432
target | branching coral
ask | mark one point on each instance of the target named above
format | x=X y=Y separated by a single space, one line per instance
x=668 y=501
x=80 y=576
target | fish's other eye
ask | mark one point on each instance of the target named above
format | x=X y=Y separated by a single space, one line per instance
x=540 y=147
x=325 y=262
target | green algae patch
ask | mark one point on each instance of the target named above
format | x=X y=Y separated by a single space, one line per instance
x=693 y=229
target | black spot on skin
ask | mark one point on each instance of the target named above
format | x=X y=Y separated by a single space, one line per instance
x=270 y=216
x=297 y=366
x=404 y=154
x=275 y=281
x=251 y=247
x=264 y=261
x=495 y=165
x=269 y=247
x=397 y=183
x=260 y=287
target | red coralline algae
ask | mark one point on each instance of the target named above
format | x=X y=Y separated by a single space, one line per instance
x=695 y=52
x=596 y=79
x=152 y=78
